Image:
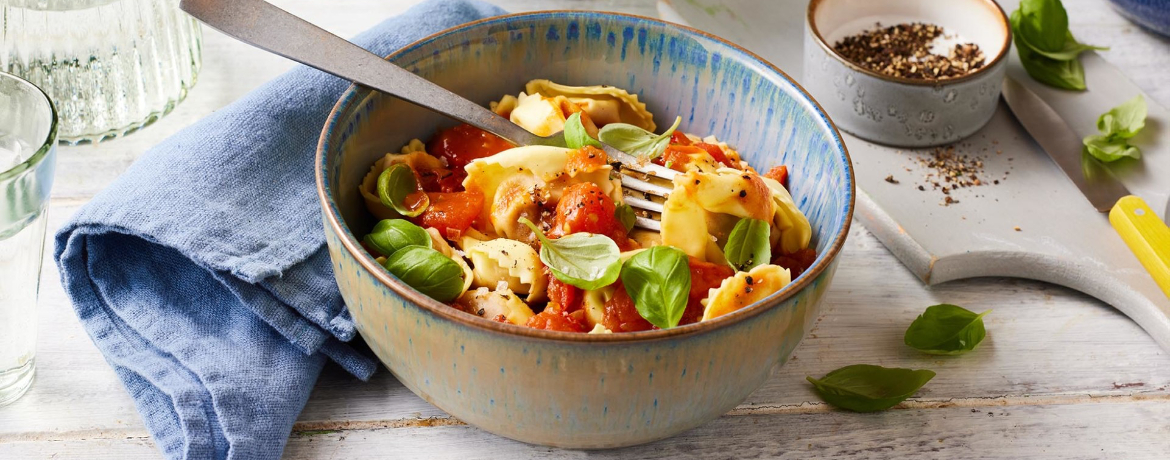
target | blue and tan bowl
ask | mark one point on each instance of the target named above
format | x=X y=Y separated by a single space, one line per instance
x=586 y=390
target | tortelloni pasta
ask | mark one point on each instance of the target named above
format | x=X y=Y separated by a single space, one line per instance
x=543 y=238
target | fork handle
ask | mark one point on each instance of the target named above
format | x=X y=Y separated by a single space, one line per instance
x=263 y=25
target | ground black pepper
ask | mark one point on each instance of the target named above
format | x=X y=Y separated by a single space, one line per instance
x=903 y=50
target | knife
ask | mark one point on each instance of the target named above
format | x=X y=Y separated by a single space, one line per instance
x=1141 y=229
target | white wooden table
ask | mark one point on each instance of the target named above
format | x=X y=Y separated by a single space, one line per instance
x=1061 y=375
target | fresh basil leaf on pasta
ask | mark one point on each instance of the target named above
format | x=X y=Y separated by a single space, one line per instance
x=869 y=388
x=584 y=260
x=575 y=134
x=637 y=141
x=398 y=190
x=625 y=214
x=428 y=271
x=390 y=235
x=946 y=330
x=748 y=244
x=659 y=281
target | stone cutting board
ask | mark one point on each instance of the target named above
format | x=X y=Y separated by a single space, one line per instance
x=1034 y=224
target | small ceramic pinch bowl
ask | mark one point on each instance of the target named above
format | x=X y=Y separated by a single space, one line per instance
x=586 y=390
x=901 y=111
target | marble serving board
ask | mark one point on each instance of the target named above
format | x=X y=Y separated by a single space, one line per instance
x=1033 y=224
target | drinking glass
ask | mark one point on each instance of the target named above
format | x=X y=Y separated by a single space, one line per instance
x=28 y=155
x=111 y=66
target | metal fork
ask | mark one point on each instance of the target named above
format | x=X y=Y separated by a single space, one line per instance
x=260 y=24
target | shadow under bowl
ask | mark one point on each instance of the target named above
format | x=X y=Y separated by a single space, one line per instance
x=586 y=390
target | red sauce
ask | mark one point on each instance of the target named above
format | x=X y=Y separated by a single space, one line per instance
x=451 y=213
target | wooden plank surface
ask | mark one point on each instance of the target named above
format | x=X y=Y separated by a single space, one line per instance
x=1061 y=374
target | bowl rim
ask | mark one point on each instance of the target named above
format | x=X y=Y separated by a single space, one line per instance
x=1002 y=58
x=349 y=242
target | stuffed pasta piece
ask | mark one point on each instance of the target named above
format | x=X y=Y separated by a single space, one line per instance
x=540 y=236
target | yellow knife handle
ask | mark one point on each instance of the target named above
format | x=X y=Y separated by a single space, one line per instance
x=1146 y=235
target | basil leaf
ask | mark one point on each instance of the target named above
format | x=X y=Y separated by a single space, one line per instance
x=1110 y=148
x=625 y=214
x=428 y=271
x=869 y=388
x=1044 y=24
x=946 y=330
x=1071 y=49
x=1058 y=74
x=395 y=184
x=390 y=235
x=637 y=141
x=659 y=281
x=575 y=134
x=1125 y=120
x=748 y=245
x=584 y=260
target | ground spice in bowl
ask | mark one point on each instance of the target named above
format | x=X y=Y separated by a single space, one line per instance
x=909 y=51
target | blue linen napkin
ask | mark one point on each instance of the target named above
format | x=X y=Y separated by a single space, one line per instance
x=201 y=273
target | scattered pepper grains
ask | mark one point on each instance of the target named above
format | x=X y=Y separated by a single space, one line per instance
x=904 y=50
x=948 y=170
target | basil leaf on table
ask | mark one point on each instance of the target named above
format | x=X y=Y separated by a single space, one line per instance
x=584 y=260
x=748 y=244
x=428 y=271
x=637 y=141
x=946 y=330
x=659 y=281
x=869 y=388
x=1047 y=48
x=575 y=134
x=390 y=235
x=1125 y=120
x=1044 y=23
x=1057 y=74
x=625 y=214
x=1108 y=148
x=395 y=184
x=1117 y=126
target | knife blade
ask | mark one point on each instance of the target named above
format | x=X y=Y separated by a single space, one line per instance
x=1137 y=225
x=1063 y=146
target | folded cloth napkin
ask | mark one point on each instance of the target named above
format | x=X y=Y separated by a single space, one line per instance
x=201 y=273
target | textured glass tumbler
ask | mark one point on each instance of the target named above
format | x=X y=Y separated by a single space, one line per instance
x=111 y=66
x=28 y=155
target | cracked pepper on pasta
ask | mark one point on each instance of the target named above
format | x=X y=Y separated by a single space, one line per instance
x=476 y=194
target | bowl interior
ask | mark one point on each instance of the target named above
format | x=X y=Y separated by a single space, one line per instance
x=975 y=21
x=716 y=88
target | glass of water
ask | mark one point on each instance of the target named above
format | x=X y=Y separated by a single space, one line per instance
x=111 y=66
x=28 y=139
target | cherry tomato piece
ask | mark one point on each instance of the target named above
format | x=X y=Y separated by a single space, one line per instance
x=780 y=174
x=463 y=143
x=678 y=138
x=585 y=208
x=554 y=319
x=585 y=160
x=451 y=213
x=565 y=296
x=621 y=315
x=704 y=277
x=717 y=153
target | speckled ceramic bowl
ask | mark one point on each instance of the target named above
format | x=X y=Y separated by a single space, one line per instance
x=899 y=111
x=583 y=390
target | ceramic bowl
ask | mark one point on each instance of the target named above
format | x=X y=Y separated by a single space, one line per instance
x=1151 y=14
x=586 y=390
x=898 y=111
